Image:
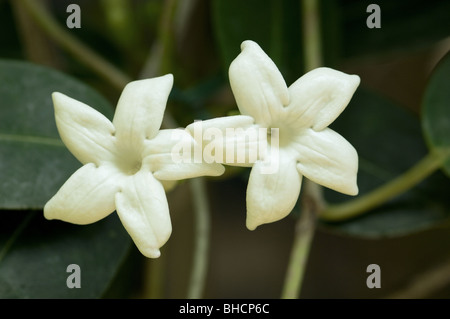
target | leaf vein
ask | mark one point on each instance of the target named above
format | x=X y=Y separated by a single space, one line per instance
x=51 y=141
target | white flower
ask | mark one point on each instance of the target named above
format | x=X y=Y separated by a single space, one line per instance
x=126 y=163
x=304 y=146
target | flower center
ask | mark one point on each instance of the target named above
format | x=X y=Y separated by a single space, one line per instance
x=278 y=136
x=132 y=167
x=129 y=162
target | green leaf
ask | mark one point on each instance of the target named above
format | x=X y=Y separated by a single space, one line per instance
x=436 y=110
x=389 y=141
x=35 y=254
x=34 y=163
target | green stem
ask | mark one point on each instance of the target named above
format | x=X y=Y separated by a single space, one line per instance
x=201 y=250
x=35 y=43
x=312 y=44
x=154 y=278
x=159 y=59
x=304 y=233
x=410 y=178
x=65 y=39
x=312 y=198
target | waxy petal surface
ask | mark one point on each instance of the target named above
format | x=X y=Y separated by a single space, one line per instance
x=179 y=157
x=142 y=207
x=86 y=197
x=328 y=159
x=87 y=133
x=140 y=109
x=271 y=197
x=258 y=86
x=319 y=96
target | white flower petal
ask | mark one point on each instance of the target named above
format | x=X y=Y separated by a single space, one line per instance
x=141 y=108
x=144 y=212
x=87 y=133
x=166 y=169
x=271 y=197
x=220 y=123
x=231 y=140
x=258 y=86
x=319 y=96
x=173 y=157
x=328 y=159
x=86 y=197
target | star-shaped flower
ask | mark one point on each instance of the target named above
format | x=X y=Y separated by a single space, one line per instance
x=299 y=115
x=126 y=163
